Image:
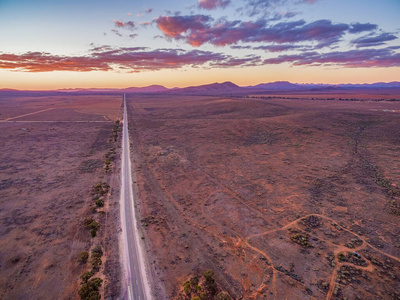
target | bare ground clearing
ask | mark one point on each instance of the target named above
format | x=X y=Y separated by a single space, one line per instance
x=47 y=171
x=273 y=195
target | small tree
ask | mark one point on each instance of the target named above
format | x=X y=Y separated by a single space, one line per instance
x=90 y=290
x=83 y=257
x=209 y=276
x=96 y=262
x=187 y=288
x=86 y=276
x=194 y=280
x=97 y=251
x=223 y=296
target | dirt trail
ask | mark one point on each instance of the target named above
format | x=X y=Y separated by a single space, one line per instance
x=336 y=251
x=32 y=113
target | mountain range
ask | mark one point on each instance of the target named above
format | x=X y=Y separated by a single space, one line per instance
x=228 y=88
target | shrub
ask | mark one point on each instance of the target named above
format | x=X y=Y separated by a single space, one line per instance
x=203 y=296
x=93 y=232
x=99 y=202
x=90 y=290
x=83 y=257
x=222 y=296
x=209 y=276
x=86 y=276
x=97 y=251
x=302 y=240
x=95 y=282
x=194 y=280
x=94 y=225
x=187 y=288
x=88 y=221
x=96 y=262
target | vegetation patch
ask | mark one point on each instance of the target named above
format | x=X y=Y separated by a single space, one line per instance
x=302 y=240
x=312 y=221
x=90 y=165
x=203 y=288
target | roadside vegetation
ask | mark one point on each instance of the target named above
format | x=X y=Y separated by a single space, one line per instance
x=91 y=278
x=203 y=288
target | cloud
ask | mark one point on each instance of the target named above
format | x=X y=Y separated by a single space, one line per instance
x=367 y=58
x=358 y=27
x=116 y=32
x=145 y=24
x=279 y=48
x=134 y=59
x=45 y=62
x=213 y=4
x=240 y=47
x=130 y=25
x=255 y=7
x=197 y=30
x=235 y=62
x=378 y=40
x=173 y=26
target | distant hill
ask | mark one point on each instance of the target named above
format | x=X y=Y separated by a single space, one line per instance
x=210 y=89
x=225 y=88
x=146 y=89
x=277 y=85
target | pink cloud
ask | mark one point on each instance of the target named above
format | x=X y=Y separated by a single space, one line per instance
x=213 y=4
x=130 y=25
x=197 y=30
x=173 y=26
x=105 y=58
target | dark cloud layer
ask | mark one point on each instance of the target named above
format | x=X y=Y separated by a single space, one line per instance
x=377 y=40
x=136 y=59
x=197 y=30
x=106 y=58
x=359 y=27
x=279 y=48
x=350 y=59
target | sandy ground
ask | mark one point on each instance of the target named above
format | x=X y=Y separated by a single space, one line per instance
x=273 y=195
x=47 y=171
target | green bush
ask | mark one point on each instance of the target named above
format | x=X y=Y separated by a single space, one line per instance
x=96 y=262
x=222 y=296
x=99 y=202
x=93 y=232
x=97 y=251
x=90 y=290
x=209 y=276
x=83 y=257
x=194 y=280
x=94 y=225
x=86 y=276
x=88 y=221
x=186 y=287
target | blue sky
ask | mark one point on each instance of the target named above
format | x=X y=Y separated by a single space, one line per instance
x=102 y=43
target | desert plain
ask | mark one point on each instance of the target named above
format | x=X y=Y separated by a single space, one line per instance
x=281 y=198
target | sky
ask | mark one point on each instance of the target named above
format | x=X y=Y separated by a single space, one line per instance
x=54 y=44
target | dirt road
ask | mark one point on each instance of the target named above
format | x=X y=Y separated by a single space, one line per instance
x=136 y=280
